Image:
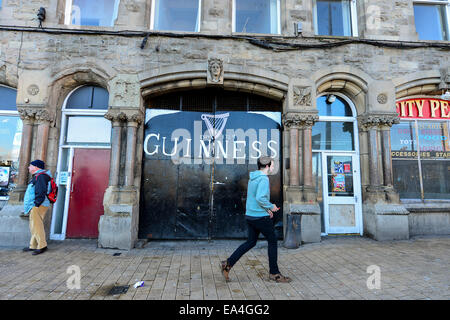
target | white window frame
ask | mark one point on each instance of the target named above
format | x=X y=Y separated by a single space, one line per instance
x=68 y=14
x=153 y=12
x=447 y=12
x=353 y=19
x=233 y=18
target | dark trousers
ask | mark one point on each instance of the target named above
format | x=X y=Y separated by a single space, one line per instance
x=255 y=227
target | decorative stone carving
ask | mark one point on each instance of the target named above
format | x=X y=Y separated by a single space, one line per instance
x=33 y=89
x=299 y=120
x=136 y=117
x=302 y=96
x=116 y=117
x=382 y=98
x=374 y=120
x=43 y=115
x=215 y=71
x=26 y=114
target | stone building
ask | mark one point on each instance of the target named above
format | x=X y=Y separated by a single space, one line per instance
x=151 y=113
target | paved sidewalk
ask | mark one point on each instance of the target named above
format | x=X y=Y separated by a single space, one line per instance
x=336 y=268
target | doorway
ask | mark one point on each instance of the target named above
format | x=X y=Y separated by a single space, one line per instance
x=336 y=165
x=199 y=148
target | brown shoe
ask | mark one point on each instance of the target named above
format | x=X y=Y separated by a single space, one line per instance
x=279 y=278
x=225 y=268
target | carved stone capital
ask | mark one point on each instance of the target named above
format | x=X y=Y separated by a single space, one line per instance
x=27 y=114
x=43 y=116
x=116 y=117
x=367 y=121
x=299 y=120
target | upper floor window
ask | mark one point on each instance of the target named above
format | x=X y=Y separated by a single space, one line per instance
x=432 y=19
x=176 y=15
x=335 y=18
x=256 y=16
x=102 y=13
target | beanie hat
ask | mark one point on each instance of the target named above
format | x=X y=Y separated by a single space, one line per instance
x=38 y=163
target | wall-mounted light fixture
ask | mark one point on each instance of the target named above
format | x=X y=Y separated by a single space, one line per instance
x=41 y=16
x=331 y=98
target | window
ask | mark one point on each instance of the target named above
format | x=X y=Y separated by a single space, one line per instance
x=256 y=16
x=432 y=19
x=88 y=97
x=11 y=135
x=102 y=13
x=421 y=159
x=175 y=15
x=335 y=17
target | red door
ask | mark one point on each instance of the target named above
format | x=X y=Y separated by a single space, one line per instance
x=90 y=174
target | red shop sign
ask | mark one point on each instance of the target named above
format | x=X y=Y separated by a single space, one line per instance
x=423 y=109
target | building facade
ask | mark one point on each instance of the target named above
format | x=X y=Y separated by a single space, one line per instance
x=151 y=113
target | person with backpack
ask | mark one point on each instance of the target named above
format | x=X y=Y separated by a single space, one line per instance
x=36 y=203
x=259 y=217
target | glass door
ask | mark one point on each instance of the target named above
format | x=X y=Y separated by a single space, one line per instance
x=342 y=193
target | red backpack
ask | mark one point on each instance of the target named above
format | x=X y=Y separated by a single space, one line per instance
x=53 y=194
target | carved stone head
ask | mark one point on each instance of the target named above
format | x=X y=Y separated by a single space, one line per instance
x=215 y=71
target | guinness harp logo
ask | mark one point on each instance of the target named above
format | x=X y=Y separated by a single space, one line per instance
x=215 y=123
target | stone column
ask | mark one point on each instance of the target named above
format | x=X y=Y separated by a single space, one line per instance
x=294 y=191
x=27 y=117
x=43 y=119
x=386 y=154
x=116 y=142
x=133 y=123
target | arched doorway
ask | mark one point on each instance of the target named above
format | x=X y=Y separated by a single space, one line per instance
x=336 y=165
x=83 y=164
x=199 y=148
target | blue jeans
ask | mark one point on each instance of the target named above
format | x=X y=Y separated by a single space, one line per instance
x=255 y=227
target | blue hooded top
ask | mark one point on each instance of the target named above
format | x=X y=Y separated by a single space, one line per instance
x=258 y=195
x=37 y=190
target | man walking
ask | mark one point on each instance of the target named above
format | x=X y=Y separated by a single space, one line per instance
x=36 y=204
x=259 y=214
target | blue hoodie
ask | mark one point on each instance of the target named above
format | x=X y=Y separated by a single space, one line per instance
x=37 y=190
x=258 y=195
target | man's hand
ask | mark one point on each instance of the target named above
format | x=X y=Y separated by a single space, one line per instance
x=275 y=208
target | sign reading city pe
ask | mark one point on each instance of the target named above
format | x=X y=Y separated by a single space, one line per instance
x=424 y=108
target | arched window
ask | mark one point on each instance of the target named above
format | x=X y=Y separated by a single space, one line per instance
x=88 y=97
x=11 y=135
x=336 y=126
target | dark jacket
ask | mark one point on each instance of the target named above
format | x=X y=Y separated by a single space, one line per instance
x=37 y=191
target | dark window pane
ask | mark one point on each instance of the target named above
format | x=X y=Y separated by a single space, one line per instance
x=339 y=108
x=175 y=15
x=100 y=99
x=406 y=178
x=431 y=22
x=8 y=99
x=327 y=135
x=88 y=97
x=256 y=16
x=436 y=179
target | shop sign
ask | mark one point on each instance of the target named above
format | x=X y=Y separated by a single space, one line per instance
x=423 y=108
x=228 y=138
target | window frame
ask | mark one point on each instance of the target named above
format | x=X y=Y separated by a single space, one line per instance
x=68 y=15
x=233 y=20
x=418 y=160
x=353 y=20
x=153 y=12
x=445 y=3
